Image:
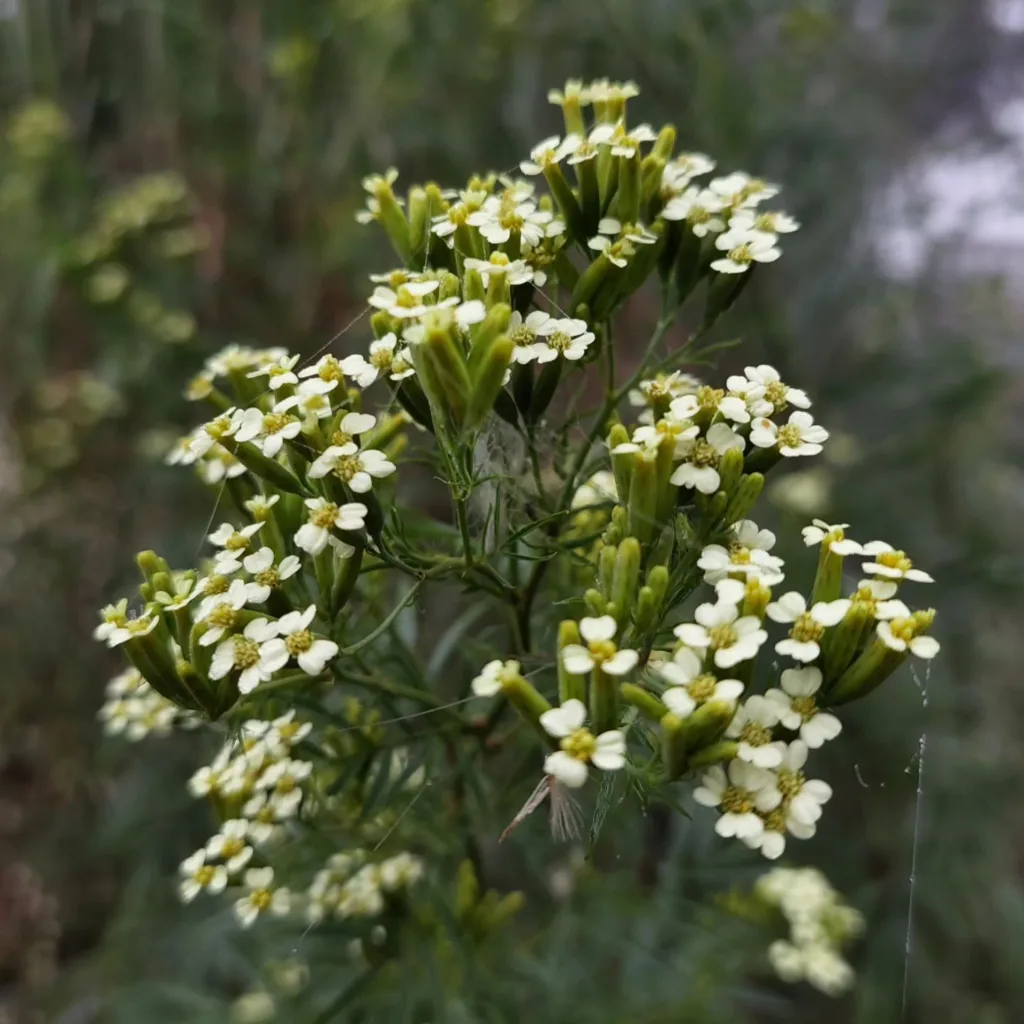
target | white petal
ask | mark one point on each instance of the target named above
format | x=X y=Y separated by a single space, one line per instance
x=620 y=663
x=566 y=769
x=597 y=629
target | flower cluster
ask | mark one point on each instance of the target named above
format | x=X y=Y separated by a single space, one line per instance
x=820 y=926
x=135 y=710
x=351 y=885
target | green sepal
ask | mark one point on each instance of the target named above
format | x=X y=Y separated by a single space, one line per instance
x=644 y=701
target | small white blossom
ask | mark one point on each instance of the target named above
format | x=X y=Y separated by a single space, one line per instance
x=699 y=207
x=739 y=190
x=232 y=541
x=386 y=358
x=898 y=635
x=219 y=607
x=891 y=564
x=700 y=470
x=230 y=846
x=549 y=152
x=742 y=249
x=267 y=430
x=526 y=332
x=568 y=338
x=493 y=676
x=265 y=575
x=798 y=707
x=325 y=516
x=358 y=468
x=598 y=490
x=198 y=875
x=280 y=372
x=763 y=390
x=803 y=798
x=294 y=640
x=579 y=746
x=499 y=265
x=261 y=897
x=800 y=436
x=720 y=627
x=312 y=401
x=748 y=555
x=617 y=242
x=808 y=626
x=245 y=653
x=771 y=222
x=622 y=142
x=752 y=727
x=690 y=686
x=600 y=650
x=820 y=532
x=405 y=303
x=741 y=795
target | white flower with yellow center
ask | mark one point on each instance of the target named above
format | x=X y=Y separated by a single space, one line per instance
x=798 y=707
x=230 y=845
x=720 y=628
x=355 y=467
x=740 y=190
x=232 y=542
x=622 y=142
x=312 y=401
x=444 y=225
x=808 y=625
x=802 y=798
x=128 y=627
x=742 y=795
x=699 y=207
x=377 y=185
x=266 y=576
x=326 y=371
x=493 y=676
x=261 y=897
x=833 y=537
x=220 y=592
x=218 y=429
x=267 y=430
x=219 y=464
x=385 y=359
x=295 y=641
x=681 y=170
x=600 y=489
x=325 y=516
x=245 y=653
x=600 y=650
x=800 y=436
x=549 y=152
x=280 y=372
x=567 y=337
x=771 y=222
x=891 y=564
x=499 y=265
x=618 y=241
x=700 y=468
x=743 y=249
x=747 y=555
x=197 y=875
x=763 y=390
x=690 y=686
x=752 y=728
x=900 y=634
x=579 y=746
x=283 y=784
x=525 y=333
x=405 y=303
x=284 y=732
x=184 y=590
x=461 y=316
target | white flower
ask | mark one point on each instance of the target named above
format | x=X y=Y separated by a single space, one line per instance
x=385 y=358
x=184 y=590
x=747 y=555
x=752 y=727
x=232 y=541
x=493 y=676
x=199 y=875
x=525 y=334
x=284 y=779
x=798 y=707
x=771 y=222
x=742 y=249
x=579 y=746
x=268 y=430
x=891 y=564
x=617 y=242
x=230 y=846
x=740 y=190
x=690 y=686
x=219 y=464
x=568 y=338
x=128 y=628
x=219 y=607
x=681 y=170
x=819 y=964
x=261 y=897
x=598 y=490
x=622 y=142
x=808 y=626
x=803 y=798
x=832 y=536
x=312 y=400
x=898 y=635
x=296 y=641
x=279 y=371
x=405 y=303
x=267 y=576
x=800 y=436
x=700 y=470
x=284 y=732
x=741 y=794
x=600 y=650
x=499 y=265
x=246 y=654
x=355 y=467
x=762 y=388
x=327 y=370
x=324 y=516
x=218 y=429
x=699 y=208
x=720 y=627
x=399 y=872
x=548 y=152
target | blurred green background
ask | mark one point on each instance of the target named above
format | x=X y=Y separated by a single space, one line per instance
x=179 y=176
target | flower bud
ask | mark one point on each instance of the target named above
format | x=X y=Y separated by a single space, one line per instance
x=488 y=378
x=467 y=891
x=606 y=567
x=419 y=224
x=651 y=170
x=524 y=697
x=645 y=614
x=473 y=286
x=716 y=753
x=593 y=280
x=627 y=198
x=668 y=492
x=839 y=646
x=867 y=673
x=151 y=564
x=595 y=601
x=346 y=576
x=485 y=333
x=604 y=701
x=567 y=204
x=756 y=598
x=265 y=468
x=828 y=580
x=590 y=196
x=626 y=572
x=665 y=143
x=673 y=745
x=570 y=685
x=382 y=322
x=706 y=725
x=643 y=499
x=730 y=469
x=393 y=221
x=622 y=465
x=744 y=498
x=442 y=351
x=644 y=701
x=723 y=291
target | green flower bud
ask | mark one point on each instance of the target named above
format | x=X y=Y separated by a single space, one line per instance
x=265 y=468
x=744 y=498
x=866 y=674
x=473 y=286
x=627 y=198
x=644 y=701
x=730 y=469
x=604 y=701
x=668 y=492
x=840 y=645
x=714 y=754
x=665 y=143
x=673 y=745
x=595 y=278
x=625 y=574
x=689 y=267
x=346 y=576
x=419 y=223
x=449 y=287
x=485 y=333
x=382 y=322
x=524 y=697
x=442 y=350
x=570 y=685
x=606 y=567
x=151 y=564
x=707 y=724
x=651 y=170
x=643 y=499
x=488 y=378
x=595 y=601
x=723 y=291
x=622 y=465
x=393 y=221
x=467 y=891
x=828 y=580
x=590 y=196
x=567 y=204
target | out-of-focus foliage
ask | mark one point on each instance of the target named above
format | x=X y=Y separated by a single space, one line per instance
x=174 y=177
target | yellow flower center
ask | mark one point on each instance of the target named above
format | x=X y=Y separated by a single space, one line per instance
x=340 y=438
x=269 y=578
x=260 y=898
x=523 y=335
x=789 y=436
x=806 y=630
x=737 y=801
x=789 y=783
x=756 y=735
x=602 y=650
x=775 y=392
x=805 y=707
x=739 y=554
x=232 y=847
x=580 y=745
x=894 y=560
x=382 y=359
x=722 y=636
x=499 y=259
x=406 y=299
x=702 y=688
x=220 y=427
x=741 y=254
x=203 y=875
x=247 y=652
x=324 y=517
x=776 y=821
x=903 y=629
x=330 y=369
x=299 y=643
x=223 y=616
x=347 y=466
x=559 y=341
x=704 y=454
x=236 y=542
x=275 y=421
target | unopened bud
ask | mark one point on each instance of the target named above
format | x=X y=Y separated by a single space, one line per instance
x=744 y=498
x=625 y=574
x=644 y=701
x=570 y=685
